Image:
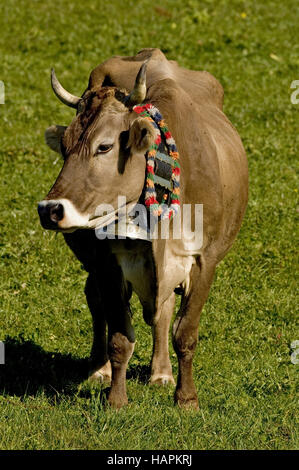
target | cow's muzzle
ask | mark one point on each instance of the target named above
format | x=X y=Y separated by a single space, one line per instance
x=50 y=214
x=61 y=215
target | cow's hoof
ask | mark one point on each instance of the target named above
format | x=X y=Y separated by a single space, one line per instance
x=162 y=379
x=188 y=402
x=191 y=404
x=102 y=375
x=99 y=377
x=116 y=401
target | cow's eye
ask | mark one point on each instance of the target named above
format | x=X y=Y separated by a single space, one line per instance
x=104 y=148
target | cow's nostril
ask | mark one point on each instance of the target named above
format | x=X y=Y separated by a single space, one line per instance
x=56 y=212
x=50 y=213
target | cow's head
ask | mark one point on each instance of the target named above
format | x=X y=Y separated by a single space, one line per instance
x=103 y=150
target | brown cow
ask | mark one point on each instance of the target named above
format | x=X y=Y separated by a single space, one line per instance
x=104 y=151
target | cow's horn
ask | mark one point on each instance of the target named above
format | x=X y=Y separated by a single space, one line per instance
x=138 y=93
x=64 y=96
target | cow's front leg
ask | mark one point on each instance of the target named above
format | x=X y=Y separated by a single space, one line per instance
x=120 y=347
x=99 y=364
x=185 y=331
x=161 y=370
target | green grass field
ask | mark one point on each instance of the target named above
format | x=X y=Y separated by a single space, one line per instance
x=247 y=384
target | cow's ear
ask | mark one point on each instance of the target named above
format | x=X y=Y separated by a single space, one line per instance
x=141 y=135
x=53 y=137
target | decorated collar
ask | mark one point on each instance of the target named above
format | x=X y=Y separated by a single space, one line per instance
x=162 y=167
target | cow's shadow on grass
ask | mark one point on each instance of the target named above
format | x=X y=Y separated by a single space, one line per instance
x=30 y=370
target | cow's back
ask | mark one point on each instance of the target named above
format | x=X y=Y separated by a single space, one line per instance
x=121 y=72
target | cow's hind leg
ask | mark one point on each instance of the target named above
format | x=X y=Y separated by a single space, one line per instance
x=99 y=367
x=161 y=370
x=185 y=331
